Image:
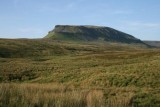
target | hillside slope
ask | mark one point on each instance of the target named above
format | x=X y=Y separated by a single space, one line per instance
x=126 y=76
x=90 y=33
x=123 y=74
x=153 y=43
x=20 y=48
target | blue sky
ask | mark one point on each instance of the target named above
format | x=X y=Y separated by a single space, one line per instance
x=34 y=18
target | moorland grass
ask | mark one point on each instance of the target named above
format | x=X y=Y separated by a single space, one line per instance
x=99 y=74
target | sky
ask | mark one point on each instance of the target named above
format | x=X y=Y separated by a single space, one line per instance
x=35 y=18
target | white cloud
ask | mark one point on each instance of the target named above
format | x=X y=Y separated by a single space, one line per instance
x=30 y=30
x=140 y=29
x=46 y=8
x=71 y=5
x=15 y=3
x=57 y=9
x=122 y=12
x=139 y=24
x=142 y=24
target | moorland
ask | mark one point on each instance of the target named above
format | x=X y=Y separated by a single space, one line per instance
x=66 y=73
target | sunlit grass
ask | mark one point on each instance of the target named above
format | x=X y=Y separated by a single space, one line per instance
x=79 y=74
x=48 y=95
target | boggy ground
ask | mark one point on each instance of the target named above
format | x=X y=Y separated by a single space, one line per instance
x=65 y=74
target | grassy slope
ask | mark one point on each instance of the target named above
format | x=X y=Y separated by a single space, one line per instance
x=123 y=72
x=90 y=33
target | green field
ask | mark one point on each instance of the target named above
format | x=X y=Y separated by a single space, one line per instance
x=44 y=72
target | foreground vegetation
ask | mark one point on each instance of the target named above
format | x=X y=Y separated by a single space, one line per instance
x=67 y=74
x=48 y=95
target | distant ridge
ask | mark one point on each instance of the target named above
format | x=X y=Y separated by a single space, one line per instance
x=153 y=43
x=91 y=33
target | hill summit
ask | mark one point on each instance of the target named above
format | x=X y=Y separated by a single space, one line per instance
x=90 y=33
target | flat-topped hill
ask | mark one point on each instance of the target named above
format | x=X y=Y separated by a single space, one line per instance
x=90 y=33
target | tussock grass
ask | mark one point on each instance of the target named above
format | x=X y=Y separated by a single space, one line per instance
x=95 y=98
x=60 y=95
x=48 y=95
x=93 y=74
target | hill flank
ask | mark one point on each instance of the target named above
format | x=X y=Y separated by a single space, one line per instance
x=91 y=33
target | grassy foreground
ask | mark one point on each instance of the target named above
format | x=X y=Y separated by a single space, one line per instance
x=48 y=95
x=36 y=73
